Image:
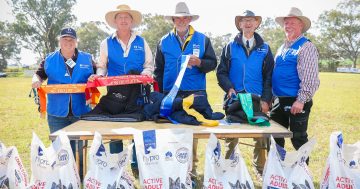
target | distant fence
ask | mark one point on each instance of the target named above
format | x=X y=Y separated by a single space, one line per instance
x=348 y=70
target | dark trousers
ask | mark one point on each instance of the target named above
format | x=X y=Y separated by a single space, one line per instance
x=297 y=123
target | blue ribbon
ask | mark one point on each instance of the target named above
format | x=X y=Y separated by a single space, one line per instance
x=167 y=102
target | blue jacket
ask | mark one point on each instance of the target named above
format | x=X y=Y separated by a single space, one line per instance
x=285 y=78
x=56 y=70
x=246 y=72
x=120 y=65
x=193 y=78
x=168 y=62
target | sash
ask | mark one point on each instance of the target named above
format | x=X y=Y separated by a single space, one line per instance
x=247 y=105
x=120 y=80
x=92 y=95
x=167 y=102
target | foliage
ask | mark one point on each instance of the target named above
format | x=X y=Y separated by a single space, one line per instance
x=39 y=22
x=90 y=36
x=9 y=48
x=340 y=32
x=272 y=34
x=153 y=28
x=219 y=42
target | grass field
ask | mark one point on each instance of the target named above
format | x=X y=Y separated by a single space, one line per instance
x=336 y=108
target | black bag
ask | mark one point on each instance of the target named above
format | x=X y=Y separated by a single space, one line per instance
x=235 y=113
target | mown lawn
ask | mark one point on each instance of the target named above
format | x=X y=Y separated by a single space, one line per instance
x=336 y=108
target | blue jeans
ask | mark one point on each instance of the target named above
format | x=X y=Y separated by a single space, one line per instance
x=57 y=123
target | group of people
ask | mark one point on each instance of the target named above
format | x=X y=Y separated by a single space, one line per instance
x=247 y=65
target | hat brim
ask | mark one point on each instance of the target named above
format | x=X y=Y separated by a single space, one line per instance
x=193 y=16
x=68 y=35
x=304 y=19
x=136 y=16
x=238 y=18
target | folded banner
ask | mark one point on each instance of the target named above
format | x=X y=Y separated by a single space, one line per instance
x=167 y=102
x=120 y=80
x=92 y=95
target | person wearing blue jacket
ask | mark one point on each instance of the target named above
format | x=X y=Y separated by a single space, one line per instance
x=68 y=65
x=184 y=40
x=246 y=66
x=122 y=53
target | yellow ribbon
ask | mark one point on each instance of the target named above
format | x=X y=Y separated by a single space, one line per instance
x=187 y=102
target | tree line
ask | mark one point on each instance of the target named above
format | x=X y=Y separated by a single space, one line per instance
x=38 y=23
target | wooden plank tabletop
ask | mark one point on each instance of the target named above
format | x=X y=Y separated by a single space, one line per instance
x=84 y=130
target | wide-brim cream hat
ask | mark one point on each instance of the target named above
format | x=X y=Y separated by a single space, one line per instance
x=295 y=12
x=136 y=15
x=181 y=10
x=247 y=13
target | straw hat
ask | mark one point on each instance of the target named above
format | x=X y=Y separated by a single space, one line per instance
x=295 y=12
x=247 y=13
x=110 y=16
x=181 y=10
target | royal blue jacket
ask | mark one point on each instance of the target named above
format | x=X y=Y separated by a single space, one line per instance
x=120 y=65
x=285 y=79
x=246 y=72
x=168 y=59
x=58 y=73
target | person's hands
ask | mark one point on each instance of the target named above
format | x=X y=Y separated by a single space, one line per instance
x=93 y=77
x=297 y=107
x=36 y=84
x=264 y=106
x=194 y=61
x=230 y=92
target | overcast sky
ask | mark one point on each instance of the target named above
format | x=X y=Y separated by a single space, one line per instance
x=216 y=17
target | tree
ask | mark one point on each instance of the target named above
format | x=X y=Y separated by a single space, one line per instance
x=340 y=28
x=8 y=45
x=153 y=28
x=219 y=42
x=39 y=22
x=90 y=36
x=272 y=34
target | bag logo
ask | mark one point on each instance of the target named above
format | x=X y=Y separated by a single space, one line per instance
x=168 y=156
x=63 y=157
x=182 y=155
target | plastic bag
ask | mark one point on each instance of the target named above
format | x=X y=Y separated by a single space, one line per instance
x=164 y=158
x=342 y=165
x=225 y=173
x=53 y=167
x=288 y=169
x=105 y=169
x=12 y=171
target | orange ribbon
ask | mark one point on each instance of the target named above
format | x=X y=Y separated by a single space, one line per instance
x=92 y=94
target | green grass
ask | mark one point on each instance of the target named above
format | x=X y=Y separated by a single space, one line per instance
x=336 y=108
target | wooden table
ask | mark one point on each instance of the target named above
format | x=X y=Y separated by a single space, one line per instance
x=84 y=130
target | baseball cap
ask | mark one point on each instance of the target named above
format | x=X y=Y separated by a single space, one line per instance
x=68 y=32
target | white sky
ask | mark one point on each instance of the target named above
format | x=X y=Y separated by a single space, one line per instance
x=216 y=17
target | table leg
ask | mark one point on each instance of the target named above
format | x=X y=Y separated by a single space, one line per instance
x=85 y=142
x=77 y=155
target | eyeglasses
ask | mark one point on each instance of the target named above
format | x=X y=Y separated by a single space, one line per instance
x=248 y=20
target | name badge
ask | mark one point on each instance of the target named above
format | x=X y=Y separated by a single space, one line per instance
x=70 y=63
x=196 y=50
